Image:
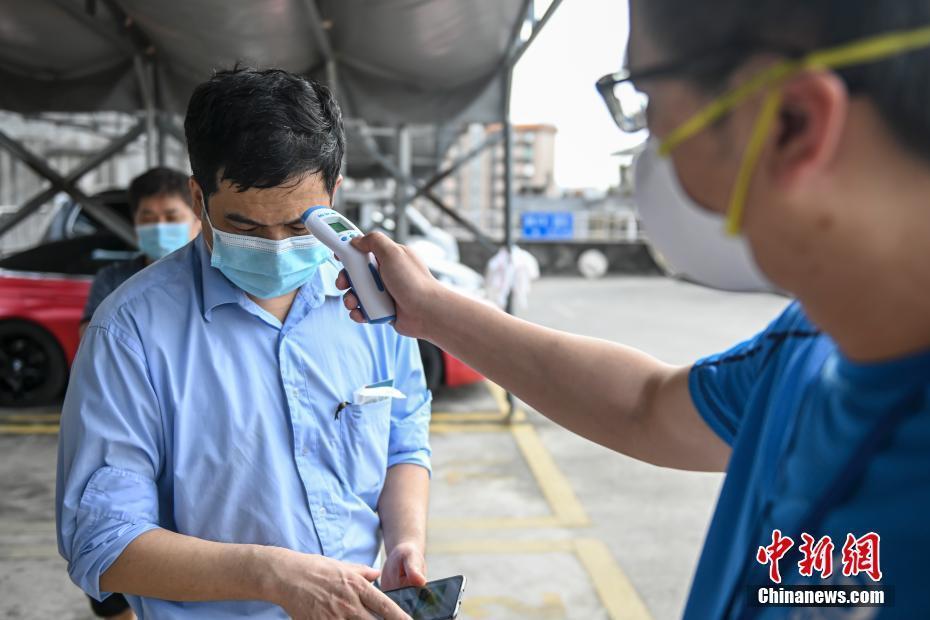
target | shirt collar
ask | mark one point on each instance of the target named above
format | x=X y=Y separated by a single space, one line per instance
x=217 y=290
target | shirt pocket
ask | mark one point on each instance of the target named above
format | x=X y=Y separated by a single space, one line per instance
x=366 y=431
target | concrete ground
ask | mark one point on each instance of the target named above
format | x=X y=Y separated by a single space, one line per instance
x=543 y=524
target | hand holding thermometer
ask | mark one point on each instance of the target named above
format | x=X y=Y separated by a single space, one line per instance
x=336 y=232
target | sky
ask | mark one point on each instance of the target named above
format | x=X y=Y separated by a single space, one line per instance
x=554 y=83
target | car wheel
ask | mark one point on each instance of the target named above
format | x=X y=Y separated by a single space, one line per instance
x=432 y=364
x=33 y=370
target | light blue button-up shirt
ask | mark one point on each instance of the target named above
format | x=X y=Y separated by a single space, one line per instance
x=192 y=409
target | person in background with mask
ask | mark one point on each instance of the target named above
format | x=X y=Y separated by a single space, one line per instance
x=220 y=454
x=802 y=128
x=160 y=204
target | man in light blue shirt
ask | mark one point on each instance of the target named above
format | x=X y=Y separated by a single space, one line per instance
x=214 y=461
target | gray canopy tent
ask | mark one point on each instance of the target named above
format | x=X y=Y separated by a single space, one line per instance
x=430 y=65
x=397 y=66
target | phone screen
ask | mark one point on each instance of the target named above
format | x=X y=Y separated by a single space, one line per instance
x=438 y=600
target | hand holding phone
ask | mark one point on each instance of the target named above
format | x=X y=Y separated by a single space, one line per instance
x=437 y=600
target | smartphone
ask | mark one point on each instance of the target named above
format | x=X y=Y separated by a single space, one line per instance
x=437 y=600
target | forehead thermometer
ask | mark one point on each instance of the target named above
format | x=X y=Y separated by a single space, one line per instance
x=336 y=232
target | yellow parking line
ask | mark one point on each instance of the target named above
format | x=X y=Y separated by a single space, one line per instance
x=497 y=523
x=552 y=606
x=468 y=417
x=486 y=427
x=566 y=509
x=613 y=587
x=497 y=546
x=615 y=591
x=9 y=527
x=28 y=552
x=28 y=429
x=555 y=486
x=500 y=397
x=29 y=417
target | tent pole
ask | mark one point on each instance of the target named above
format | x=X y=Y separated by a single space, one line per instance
x=143 y=77
x=162 y=139
x=372 y=148
x=402 y=182
x=97 y=210
x=537 y=28
x=507 y=132
x=158 y=102
x=507 y=83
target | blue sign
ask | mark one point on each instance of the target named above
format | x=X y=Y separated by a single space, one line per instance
x=548 y=226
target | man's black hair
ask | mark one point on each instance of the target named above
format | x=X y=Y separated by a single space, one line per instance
x=261 y=129
x=899 y=86
x=158 y=182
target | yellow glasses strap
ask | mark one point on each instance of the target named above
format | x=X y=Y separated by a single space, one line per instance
x=857 y=52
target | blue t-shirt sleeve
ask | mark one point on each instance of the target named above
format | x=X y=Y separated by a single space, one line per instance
x=721 y=384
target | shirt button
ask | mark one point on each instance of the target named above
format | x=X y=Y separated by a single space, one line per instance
x=322 y=510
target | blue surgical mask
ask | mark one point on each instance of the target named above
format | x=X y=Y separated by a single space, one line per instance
x=158 y=240
x=266 y=268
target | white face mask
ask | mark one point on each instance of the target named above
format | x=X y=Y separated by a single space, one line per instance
x=691 y=240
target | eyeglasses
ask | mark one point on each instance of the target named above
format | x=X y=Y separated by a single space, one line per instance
x=628 y=105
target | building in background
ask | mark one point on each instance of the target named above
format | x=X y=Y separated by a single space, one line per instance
x=542 y=210
x=477 y=189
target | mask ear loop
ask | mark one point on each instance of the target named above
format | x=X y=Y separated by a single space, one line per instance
x=206 y=214
x=757 y=140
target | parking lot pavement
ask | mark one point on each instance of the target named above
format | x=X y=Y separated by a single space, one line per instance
x=544 y=524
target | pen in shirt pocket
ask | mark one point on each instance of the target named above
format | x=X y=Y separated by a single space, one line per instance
x=376 y=392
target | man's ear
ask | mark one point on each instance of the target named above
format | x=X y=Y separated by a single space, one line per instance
x=810 y=125
x=196 y=197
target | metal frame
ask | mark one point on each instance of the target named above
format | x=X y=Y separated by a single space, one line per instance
x=367 y=134
x=98 y=210
x=70 y=179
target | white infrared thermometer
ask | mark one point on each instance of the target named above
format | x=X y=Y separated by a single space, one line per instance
x=336 y=232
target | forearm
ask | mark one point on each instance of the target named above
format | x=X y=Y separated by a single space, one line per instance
x=595 y=388
x=614 y=395
x=403 y=506
x=166 y=565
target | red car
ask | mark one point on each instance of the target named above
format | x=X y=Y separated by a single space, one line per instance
x=42 y=296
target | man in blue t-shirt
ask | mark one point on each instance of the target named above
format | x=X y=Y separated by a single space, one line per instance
x=800 y=128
